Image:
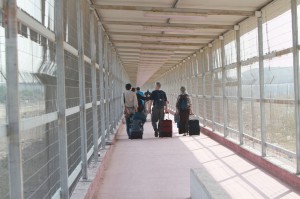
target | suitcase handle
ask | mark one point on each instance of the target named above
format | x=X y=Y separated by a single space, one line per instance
x=168 y=115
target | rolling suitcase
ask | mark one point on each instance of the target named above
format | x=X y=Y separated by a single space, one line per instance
x=136 y=129
x=194 y=127
x=165 y=128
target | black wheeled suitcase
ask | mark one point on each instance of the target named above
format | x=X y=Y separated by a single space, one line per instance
x=136 y=129
x=194 y=127
x=165 y=128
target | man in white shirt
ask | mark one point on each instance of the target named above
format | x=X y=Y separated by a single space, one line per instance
x=130 y=105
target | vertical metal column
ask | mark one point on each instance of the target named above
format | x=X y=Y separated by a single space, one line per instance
x=106 y=87
x=196 y=84
x=61 y=100
x=239 y=76
x=113 y=85
x=81 y=72
x=225 y=101
x=94 y=84
x=13 y=116
x=101 y=79
x=261 y=86
x=211 y=68
x=107 y=90
x=203 y=87
x=296 y=79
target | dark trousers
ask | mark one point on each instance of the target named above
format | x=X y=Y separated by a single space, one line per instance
x=128 y=121
x=157 y=115
x=184 y=121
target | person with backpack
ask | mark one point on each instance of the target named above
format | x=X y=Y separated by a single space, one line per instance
x=147 y=95
x=139 y=92
x=130 y=106
x=184 y=109
x=147 y=101
x=141 y=99
x=159 y=100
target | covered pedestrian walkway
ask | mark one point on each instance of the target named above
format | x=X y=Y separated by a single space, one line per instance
x=155 y=168
x=63 y=69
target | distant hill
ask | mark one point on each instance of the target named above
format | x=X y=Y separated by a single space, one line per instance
x=273 y=75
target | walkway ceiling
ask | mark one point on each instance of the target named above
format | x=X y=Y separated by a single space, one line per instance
x=152 y=36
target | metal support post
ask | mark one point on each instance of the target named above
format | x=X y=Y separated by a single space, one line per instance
x=212 y=88
x=296 y=79
x=82 y=89
x=100 y=44
x=239 y=77
x=61 y=100
x=94 y=84
x=203 y=88
x=13 y=116
x=196 y=84
x=225 y=101
x=261 y=87
x=107 y=90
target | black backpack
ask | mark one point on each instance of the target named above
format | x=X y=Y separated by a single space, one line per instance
x=183 y=103
x=161 y=100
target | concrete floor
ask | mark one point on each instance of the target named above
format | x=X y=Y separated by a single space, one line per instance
x=159 y=168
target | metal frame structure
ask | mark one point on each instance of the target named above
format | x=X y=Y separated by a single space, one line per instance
x=243 y=138
x=13 y=114
x=112 y=76
x=16 y=126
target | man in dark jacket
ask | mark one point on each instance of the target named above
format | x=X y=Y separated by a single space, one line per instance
x=159 y=100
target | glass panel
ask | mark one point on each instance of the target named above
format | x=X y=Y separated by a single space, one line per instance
x=2 y=77
x=249 y=39
x=42 y=11
x=277 y=26
x=4 y=176
x=279 y=78
x=218 y=89
x=232 y=114
x=231 y=82
x=70 y=23
x=250 y=81
x=230 y=48
x=37 y=75
x=251 y=124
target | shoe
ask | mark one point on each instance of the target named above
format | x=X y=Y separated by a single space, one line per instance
x=156 y=133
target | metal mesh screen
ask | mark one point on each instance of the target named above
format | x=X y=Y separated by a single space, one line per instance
x=71 y=80
x=89 y=127
x=4 y=189
x=40 y=161
x=74 y=146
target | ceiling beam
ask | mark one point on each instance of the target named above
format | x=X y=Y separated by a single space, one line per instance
x=191 y=11
x=158 y=43
x=158 y=48
x=166 y=36
x=144 y=53
x=173 y=25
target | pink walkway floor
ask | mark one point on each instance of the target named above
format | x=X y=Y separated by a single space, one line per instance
x=159 y=168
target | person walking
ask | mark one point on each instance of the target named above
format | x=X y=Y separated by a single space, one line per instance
x=159 y=100
x=147 y=101
x=130 y=106
x=141 y=99
x=184 y=109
